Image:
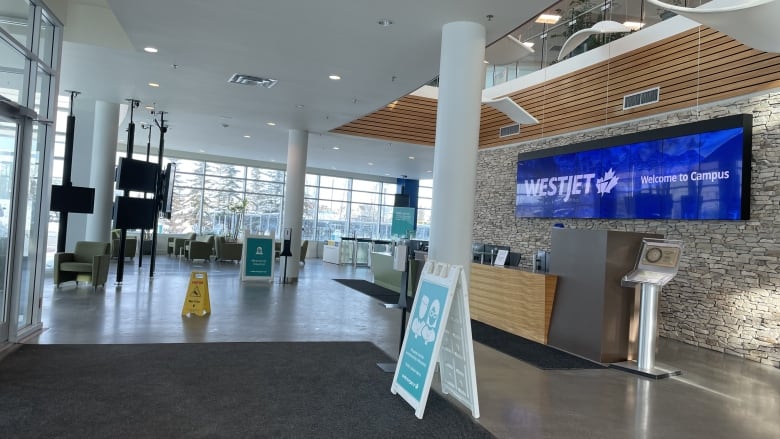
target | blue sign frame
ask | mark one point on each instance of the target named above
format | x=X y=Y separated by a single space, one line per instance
x=696 y=171
x=257 y=261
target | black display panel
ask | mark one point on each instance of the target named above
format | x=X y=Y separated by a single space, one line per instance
x=695 y=171
x=166 y=191
x=134 y=213
x=72 y=199
x=137 y=175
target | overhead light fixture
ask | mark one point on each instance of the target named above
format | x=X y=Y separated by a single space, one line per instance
x=411 y=157
x=154 y=84
x=271 y=124
x=633 y=25
x=528 y=44
x=150 y=49
x=548 y=19
x=370 y=163
x=299 y=106
x=336 y=147
x=385 y=22
x=238 y=78
x=247 y=136
x=428 y=171
x=334 y=77
x=149 y=107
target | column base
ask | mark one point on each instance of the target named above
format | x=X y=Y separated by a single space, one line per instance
x=658 y=372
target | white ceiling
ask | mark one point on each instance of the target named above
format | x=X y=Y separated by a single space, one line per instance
x=298 y=42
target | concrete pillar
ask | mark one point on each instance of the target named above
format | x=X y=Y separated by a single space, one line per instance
x=457 y=137
x=297 y=147
x=104 y=142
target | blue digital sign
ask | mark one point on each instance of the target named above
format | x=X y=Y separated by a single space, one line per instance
x=692 y=172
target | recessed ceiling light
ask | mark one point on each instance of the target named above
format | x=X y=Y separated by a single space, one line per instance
x=271 y=124
x=387 y=174
x=149 y=107
x=201 y=150
x=411 y=157
x=247 y=136
x=548 y=19
x=528 y=44
x=428 y=171
x=299 y=106
x=385 y=22
x=150 y=49
x=370 y=163
x=154 y=84
x=336 y=147
x=334 y=77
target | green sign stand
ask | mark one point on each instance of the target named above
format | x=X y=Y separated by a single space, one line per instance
x=403 y=222
x=257 y=262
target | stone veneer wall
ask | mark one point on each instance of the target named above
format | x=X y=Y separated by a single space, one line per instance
x=725 y=296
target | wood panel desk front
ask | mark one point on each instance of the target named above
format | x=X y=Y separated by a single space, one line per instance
x=511 y=299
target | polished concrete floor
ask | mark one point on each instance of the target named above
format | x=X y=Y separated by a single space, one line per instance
x=718 y=396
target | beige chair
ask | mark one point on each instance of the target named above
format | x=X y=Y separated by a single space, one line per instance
x=228 y=251
x=201 y=248
x=131 y=245
x=87 y=263
x=304 y=249
x=176 y=245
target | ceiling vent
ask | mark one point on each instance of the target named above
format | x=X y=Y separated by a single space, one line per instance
x=510 y=130
x=238 y=78
x=642 y=98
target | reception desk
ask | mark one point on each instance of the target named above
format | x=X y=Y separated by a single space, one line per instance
x=514 y=300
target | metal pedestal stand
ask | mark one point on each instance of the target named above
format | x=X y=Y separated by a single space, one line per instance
x=390 y=367
x=648 y=335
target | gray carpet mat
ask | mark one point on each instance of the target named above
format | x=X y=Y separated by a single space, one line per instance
x=279 y=390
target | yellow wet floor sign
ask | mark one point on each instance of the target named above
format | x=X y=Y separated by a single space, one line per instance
x=197 y=299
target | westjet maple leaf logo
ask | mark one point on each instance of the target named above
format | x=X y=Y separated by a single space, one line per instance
x=605 y=184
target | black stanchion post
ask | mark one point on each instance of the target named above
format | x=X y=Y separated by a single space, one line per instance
x=158 y=196
x=120 y=265
x=402 y=305
x=67 y=170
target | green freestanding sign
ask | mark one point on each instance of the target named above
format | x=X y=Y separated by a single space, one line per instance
x=257 y=262
x=403 y=222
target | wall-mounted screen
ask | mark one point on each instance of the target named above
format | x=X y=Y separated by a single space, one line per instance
x=137 y=175
x=72 y=199
x=695 y=171
x=134 y=213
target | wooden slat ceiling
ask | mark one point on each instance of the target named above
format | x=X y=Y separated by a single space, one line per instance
x=695 y=67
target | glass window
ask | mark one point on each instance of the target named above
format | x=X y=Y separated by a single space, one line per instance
x=333 y=194
x=334 y=182
x=312 y=179
x=331 y=219
x=224 y=170
x=225 y=184
x=12 y=70
x=367 y=186
x=185 y=217
x=46 y=41
x=42 y=94
x=266 y=174
x=262 y=187
x=182 y=180
x=15 y=18
x=189 y=166
x=365 y=197
x=310 y=192
x=364 y=220
x=263 y=214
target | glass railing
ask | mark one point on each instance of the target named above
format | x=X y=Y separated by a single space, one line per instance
x=547 y=33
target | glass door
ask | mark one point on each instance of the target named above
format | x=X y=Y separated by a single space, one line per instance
x=10 y=135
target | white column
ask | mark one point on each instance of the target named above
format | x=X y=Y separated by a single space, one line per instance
x=104 y=140
x=297 y=147
x=457 y=137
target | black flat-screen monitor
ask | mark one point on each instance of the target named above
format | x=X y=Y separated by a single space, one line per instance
x=166 y=191
x=401 y=200
x=134 y=213
x=137 y=175
x=72 y=199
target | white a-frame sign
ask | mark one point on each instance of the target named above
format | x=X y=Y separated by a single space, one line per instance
x=439 y=330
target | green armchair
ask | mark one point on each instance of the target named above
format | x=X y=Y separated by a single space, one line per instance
x=176 y=245
x=201 y=248
x=228 y=251
x=87 y=263
x=131 y=244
